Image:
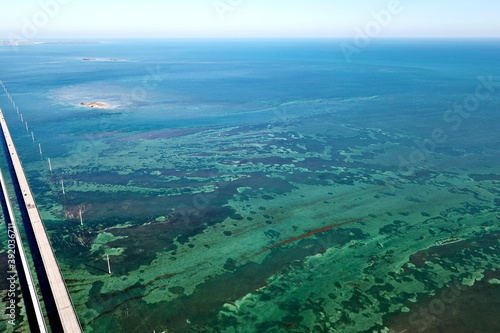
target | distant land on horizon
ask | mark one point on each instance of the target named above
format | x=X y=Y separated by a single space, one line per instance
x=6 y=42
x=29 y=42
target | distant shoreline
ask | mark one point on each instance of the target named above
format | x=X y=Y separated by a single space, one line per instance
x=19 y=43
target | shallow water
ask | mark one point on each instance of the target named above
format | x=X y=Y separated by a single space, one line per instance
x=263 y=186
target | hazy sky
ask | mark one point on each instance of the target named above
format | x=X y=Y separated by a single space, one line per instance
x=246 y=18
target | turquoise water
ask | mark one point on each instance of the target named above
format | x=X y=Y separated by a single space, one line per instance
x=265 y=185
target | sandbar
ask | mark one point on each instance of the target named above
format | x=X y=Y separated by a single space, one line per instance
x=96 y=105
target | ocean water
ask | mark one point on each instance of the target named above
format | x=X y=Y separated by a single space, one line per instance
x=265 y=185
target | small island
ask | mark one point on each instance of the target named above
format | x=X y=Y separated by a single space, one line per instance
x=96 y=105
x=99 y=59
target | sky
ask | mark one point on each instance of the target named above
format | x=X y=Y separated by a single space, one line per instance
x=247 y=18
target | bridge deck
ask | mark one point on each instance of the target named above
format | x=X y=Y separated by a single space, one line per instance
x=24 y=261
x=65 y=308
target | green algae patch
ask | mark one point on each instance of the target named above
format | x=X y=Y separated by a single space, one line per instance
x=304 y=227
x=104 y=238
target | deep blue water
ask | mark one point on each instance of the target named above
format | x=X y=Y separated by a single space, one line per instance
x=184 y=83
x=165 y=81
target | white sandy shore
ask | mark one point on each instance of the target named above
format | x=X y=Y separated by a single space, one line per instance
x=96 y=105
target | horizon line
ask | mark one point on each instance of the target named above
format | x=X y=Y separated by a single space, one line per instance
x=247 y=37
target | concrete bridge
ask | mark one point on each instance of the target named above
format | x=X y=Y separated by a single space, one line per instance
x=65 y=309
